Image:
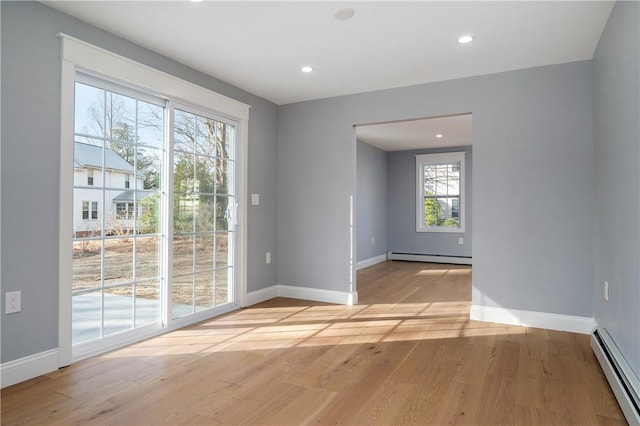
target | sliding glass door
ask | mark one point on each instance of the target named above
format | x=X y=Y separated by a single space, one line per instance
x=154 y=214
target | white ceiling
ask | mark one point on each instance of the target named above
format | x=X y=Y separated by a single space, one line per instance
x=261 y=46
x=416 y=134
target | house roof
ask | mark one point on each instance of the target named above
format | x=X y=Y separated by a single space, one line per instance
x=129 y=194
x=124 y=196
x=86 y=155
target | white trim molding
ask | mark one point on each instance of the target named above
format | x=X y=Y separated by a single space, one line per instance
x=303 y=293
x=109 y=65
x=257 y=296
x=318 y=294
x=549 y=321
x=432 y=258
x=26 y=368
x=371 y=261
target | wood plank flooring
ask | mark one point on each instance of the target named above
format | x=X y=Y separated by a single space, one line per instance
x=407 y=354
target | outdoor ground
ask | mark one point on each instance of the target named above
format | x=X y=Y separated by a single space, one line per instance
x=121 y=254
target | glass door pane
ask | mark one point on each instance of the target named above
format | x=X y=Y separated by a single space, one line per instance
x=118 y=157
x=203 y=208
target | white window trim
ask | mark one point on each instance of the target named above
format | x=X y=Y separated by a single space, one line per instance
x=442 y=158
x=81 y=57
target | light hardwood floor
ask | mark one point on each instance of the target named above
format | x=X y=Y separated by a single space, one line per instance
x=407 y=354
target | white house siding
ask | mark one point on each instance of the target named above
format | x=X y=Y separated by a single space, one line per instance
x=113 y=179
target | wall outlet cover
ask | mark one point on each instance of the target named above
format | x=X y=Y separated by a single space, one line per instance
x=12 y=302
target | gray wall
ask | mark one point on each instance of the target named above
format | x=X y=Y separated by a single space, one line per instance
x=30 y=166
x=616 y=76
x=401 y=208
x=371 y=202
x=533 y=183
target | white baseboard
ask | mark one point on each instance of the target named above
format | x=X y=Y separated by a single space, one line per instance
x=303 y=293
x=26 y=368
x=261 y=295
x=318 y=295
x=430 y=258
x=574 y=324
x=371 y=261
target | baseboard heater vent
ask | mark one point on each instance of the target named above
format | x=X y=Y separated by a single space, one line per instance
x=434 y=258
x=623 y=381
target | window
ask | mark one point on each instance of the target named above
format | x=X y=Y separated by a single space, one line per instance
x=124 y=210
x=90 y=177
x=127 y=182
x=89 y=213
x=440 y=192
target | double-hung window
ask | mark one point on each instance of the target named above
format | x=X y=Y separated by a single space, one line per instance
x=440 y=192
x=89 y=210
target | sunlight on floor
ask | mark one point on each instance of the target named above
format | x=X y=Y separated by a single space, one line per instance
x=268 y=329
x=433 y=311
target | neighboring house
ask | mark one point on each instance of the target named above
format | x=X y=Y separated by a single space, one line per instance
x=113 y=196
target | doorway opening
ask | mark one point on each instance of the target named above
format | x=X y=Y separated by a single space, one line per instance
x=414 y=191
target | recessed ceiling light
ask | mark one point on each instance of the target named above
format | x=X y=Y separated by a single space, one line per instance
x=195 y=1
x=439 y=135
x=344 y=14
x=465 y=39
x=306 y=69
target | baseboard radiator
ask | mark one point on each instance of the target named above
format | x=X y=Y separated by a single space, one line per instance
x=434 y=258
x=623 y=381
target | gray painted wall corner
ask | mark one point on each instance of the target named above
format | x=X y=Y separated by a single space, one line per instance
x=371 y=202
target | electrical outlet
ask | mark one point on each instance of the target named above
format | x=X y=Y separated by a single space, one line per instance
x=255 y=199
x=373 y=240
x=606 y=291
x=460 y=240
x=12 y=302
x=268 y=257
